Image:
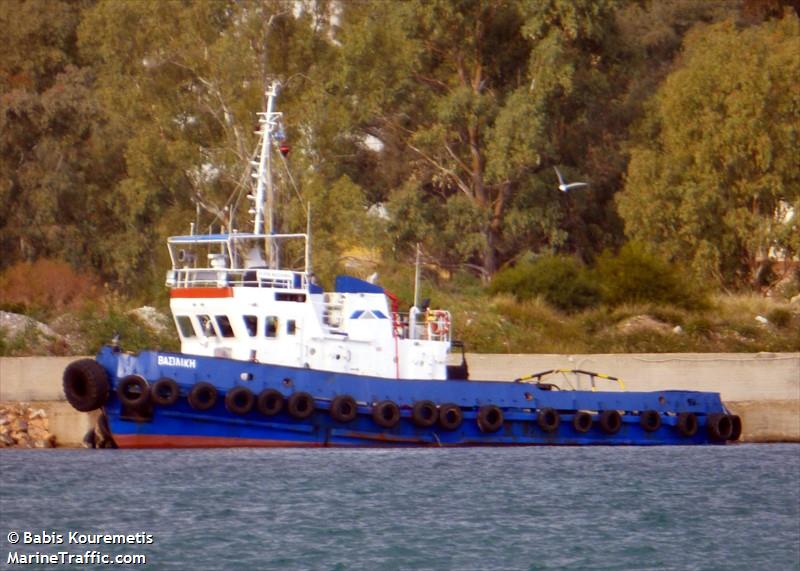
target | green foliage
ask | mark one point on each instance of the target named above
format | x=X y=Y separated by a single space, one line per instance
x=635 y=275
x=779 y=316
x=97 y=328
x=717 y=162
x=119 y=119
x=561 y=281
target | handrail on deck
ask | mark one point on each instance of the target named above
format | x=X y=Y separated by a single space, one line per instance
x=247 y=277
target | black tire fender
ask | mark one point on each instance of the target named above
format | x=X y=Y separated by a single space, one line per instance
x=719 y=426
x=165 y=392
x=424 y=413
x=270 y=402
x=203 y=396
x=582 y=422
x=548 y=419
x=86 y=385
x=239 y=400
x=610 y=421
x=133 y=391
x=736 y=427
x=687 y=424
x=386 y=414
x=344 y=409
x=650 y=420
x=300 y=405
x=450 y=416
x=490 y=418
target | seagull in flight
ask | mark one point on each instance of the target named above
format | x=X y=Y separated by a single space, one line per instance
x=563 y=186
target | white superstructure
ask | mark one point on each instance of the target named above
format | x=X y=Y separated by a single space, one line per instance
x=249 y=296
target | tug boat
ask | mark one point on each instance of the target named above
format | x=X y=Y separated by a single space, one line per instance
x=270 y=359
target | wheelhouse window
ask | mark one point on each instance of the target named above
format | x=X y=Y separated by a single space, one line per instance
x=291 y=327
x=271 y=326
x=224 y=326
x=185 y=326
x=206 y=326
x=251 y=323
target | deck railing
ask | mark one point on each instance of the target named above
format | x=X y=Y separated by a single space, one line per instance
x=431 y=325
x=233 y=277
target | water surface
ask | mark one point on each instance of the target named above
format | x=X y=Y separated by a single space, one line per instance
x=682 y=508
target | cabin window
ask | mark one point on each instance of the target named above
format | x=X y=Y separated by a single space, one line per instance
x=224 y=326
x=271 y=326
x=251 y=323
x=185 y=326
x=291 y=327
x=206 y=326
x=296 y=297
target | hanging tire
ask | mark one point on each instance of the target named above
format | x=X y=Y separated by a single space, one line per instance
x=490 y=418
x=650 y=420
x=203 y=396
x=719 y=426
x=386 y=414
x=736 y=427
x=300 y=405
x=610 y=421
x=270 y=402
x=424 y=413
x=165 y=392
x=344 y=409
x=548 y=419
x=450 y=416
x=240 y=400
x=582 y=422
x=85 y=385
x=687 y=424
x=133 y=391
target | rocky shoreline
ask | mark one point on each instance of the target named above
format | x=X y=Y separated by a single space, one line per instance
x=23 y=426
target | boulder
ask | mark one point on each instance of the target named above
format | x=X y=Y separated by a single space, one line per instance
x=24 y=427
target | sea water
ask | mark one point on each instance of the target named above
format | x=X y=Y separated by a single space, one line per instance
x=682 y=508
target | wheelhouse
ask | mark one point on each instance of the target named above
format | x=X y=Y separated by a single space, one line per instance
x=252 y=297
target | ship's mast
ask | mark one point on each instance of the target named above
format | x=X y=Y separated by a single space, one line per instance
x=265 y=191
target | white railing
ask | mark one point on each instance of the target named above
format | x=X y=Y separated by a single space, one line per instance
x=236 y=277
x=431 y=325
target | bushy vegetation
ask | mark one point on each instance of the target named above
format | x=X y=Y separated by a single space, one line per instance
x=635 y=275
x=561 y=281
x=46 y=287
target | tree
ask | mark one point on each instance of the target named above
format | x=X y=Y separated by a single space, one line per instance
x=717 y=156
x=53 y=159
x=181 y=84
x=481 y=99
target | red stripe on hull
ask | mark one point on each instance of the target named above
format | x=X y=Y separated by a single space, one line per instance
x=169 y=441
x=194 y=292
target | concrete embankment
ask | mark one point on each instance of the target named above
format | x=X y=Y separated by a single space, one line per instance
x=763 y=388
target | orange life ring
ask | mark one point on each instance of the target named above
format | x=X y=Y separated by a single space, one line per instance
x=440 y=322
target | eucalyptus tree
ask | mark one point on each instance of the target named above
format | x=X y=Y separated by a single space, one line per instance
x=50 y=188
x=480 y=98
x=180 y=84
x=713 y=180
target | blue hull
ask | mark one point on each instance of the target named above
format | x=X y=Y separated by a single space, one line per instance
x=181 y=425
